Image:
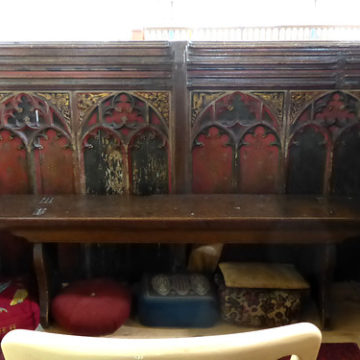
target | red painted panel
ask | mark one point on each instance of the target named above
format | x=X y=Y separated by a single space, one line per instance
x=212 y=163
x=13 y=169
x=54 y=164
x=259 y=163
x=154 y=119
x=93 y=118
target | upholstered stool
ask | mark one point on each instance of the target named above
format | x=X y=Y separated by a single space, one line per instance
x=260 y=294
x=92 y=307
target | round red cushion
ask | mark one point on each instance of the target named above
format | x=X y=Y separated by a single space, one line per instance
x=92 y=307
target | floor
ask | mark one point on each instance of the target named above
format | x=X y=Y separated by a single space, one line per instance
x=345 y=311
x=345 y=321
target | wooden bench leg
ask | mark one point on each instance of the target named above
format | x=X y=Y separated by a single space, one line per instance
x=326 y=260
x=42 y=275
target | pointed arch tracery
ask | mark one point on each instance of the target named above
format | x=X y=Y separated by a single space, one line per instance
x=320 y=145
x=39 y=147
x=126 y=140
x=236 y=146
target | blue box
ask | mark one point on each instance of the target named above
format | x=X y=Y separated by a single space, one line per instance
x=177 y=300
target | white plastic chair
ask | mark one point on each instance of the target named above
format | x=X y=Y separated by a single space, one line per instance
x=300 y=340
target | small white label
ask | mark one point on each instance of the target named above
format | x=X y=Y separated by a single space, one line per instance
x=47 y=200
x=39 y=211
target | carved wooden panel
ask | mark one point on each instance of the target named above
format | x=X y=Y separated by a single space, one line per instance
x=213 y=153
x=53 y=158
x=125 y=146
x=259 y=161
x=236 y=142
x=149 y=163
x=307 y=160
x=346 y=168
x=104 y=162
x=322 y=141
x=36 y=141
x=13 y=164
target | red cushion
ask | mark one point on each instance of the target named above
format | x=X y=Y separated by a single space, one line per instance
x=92 y=307
x=17 y=309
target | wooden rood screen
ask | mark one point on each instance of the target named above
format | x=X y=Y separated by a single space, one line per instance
x=155 y=118
x=161 y=118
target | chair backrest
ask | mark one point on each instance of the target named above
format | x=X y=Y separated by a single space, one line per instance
x=302 y=340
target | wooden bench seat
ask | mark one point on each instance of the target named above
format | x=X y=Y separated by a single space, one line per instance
x=231 y=218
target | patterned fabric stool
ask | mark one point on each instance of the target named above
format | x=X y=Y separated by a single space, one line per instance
x=259 y=294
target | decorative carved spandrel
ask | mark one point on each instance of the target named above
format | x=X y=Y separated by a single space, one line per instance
x=199 y=101
x=86 y=101
x=275 y=102
x=213 y=162
x=299 y=100
x=61 y=101
x=160 y=101
x=355 y=93
x=259 y=157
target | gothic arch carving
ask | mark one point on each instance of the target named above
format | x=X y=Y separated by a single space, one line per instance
x=118 y=129
x=234 y=129
x=46 y=145
x=314 y=147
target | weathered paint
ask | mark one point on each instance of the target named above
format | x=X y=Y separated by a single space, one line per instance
x=346 y=166
x=123 y=109
x=13 y=165
x=128 y=151
x=237 y=108
x=233 y=149
x=53 y=158
x=259 y=170
x=212 y=162
x=323 y=141
x=104 y=164
x=148 y=155
x=307 y=157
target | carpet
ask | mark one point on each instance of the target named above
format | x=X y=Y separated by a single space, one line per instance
x=337 y=351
